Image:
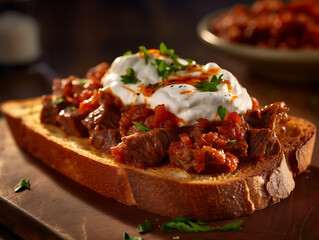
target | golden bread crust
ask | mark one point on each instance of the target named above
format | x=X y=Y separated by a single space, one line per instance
x=163 y=190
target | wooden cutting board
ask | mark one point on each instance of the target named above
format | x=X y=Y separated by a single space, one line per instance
x=58 y=208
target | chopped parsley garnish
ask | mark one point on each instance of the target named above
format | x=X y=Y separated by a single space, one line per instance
x=164 y=70
x=188 y=225
x=69 y=108
x=221 y=112
x=129 y=77
x=81 y=82
x=185 y=225
x=142 y=127
x=171 y=52
x=58 y=101
x=146 y=54
x=210 y=86
x=230 y=227
x=231 y=141
x=127 y=53
x=143 y=228
x=127 y=236
x=22 y=185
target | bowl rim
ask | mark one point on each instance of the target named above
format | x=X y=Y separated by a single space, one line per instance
x=250 y=51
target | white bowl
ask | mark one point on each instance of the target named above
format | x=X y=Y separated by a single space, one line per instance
x=284 y=65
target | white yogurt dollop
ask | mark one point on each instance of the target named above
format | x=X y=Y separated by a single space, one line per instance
x=179 y=97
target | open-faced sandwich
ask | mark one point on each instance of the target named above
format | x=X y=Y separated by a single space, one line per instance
x=168 y=135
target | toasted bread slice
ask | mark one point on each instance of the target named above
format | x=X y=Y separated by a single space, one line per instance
x=165 y=190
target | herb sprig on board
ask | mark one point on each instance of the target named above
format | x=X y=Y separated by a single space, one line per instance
x=22 y=185
x=143 y=228
x=185 y=224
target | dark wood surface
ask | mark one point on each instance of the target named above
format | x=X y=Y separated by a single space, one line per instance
x=58 y=208
x=76 y=35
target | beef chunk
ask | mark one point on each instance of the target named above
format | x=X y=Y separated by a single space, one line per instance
x=66 y=87
x=104 y=116
x=195 y=131
x=219 y=161
x=184 y=158
x=130 y=114
x=104 y=139
x=237 y=148
x=268 y=117
x=144 y=149
x=204 y=160
x=50 y=110
x=263 y=143
x=70 y=121
x=96 y=73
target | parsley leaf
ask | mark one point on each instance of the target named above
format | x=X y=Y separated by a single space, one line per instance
x=230 y=227
x=127 y=236
x=143 y=228
x=221 y=112
x=22 y=185
x=164 y=70
x=145 y=52
x=58 y=101
x=185 y=225
x=69 y=108
x=142 y=127
x=81 y=82
x=171 y=52
x=129 y=77
x=188 y=225
x=129 y=52
x=210 y=86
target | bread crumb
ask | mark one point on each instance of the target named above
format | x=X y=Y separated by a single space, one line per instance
x=176 y=237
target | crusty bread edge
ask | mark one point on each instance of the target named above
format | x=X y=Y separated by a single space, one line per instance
x=303 y=155
x=165 y=196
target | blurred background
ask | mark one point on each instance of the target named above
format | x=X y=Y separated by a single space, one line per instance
x=42 y=40
x=76 y=35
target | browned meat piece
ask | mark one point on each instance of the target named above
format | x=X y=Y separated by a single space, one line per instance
x=263 y=143
x=104 y=116
x=237 y=148
x=268 y=117
x=70 y=121
x=66 y=87
x=104 y=139
x=144 y=149
x=96 y=73
x=50 y=110
x=204 y=160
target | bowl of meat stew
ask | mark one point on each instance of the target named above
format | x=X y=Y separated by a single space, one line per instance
x=275 y=39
